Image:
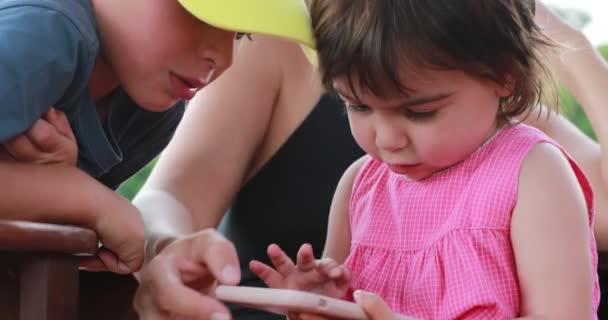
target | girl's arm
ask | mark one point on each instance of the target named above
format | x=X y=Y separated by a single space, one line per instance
x=551 y=240
x=337 y=244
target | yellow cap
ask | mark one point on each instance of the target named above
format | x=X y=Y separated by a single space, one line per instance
x=283 y=18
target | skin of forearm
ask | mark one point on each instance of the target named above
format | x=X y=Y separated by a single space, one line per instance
x=165 y=218
x=54 y=193
x=177 y=203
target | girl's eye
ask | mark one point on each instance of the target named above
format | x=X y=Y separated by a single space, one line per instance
x=420 y=115
x=240 y=35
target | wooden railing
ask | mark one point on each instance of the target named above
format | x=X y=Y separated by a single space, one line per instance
x=39 y=269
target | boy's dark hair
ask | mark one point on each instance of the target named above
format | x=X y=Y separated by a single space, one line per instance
x=373 y=40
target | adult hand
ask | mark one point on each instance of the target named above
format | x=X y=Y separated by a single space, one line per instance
x=179 y=281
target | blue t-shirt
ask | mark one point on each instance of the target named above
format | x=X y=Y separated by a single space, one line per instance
x=48 y=49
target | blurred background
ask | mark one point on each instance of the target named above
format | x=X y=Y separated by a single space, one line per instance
x=590 y=16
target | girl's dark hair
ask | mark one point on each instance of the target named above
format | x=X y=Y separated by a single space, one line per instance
x=374 y=40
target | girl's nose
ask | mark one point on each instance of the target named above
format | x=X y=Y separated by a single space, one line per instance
x=390 y=138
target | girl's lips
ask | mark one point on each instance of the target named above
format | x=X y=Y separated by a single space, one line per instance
x=404 y=168
x=184 y=88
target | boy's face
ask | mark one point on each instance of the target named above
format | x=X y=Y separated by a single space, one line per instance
x=447 y=116
x=159 y=52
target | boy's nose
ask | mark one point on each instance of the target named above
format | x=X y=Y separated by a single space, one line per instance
x=219 y=53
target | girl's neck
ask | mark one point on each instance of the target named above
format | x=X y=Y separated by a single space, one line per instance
x=102 y=82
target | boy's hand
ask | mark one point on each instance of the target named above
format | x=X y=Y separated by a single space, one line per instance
x=49 y=140
x=120 y=228
x=323 y=276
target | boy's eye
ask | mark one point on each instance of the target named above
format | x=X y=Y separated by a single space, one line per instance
x=357 y=107
x=240 y=35
x=420 y=115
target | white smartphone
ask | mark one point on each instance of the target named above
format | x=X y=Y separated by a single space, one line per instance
x=283 y=300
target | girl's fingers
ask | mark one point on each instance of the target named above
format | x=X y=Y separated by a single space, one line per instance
x=330 y=268
x=271 y=277
x=281 y=262
x=306 y=259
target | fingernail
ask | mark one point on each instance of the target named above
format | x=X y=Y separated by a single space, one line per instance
x=220 y=316
x=358 y=295
x=335 y=272
x=230 y=274
x=123 y=268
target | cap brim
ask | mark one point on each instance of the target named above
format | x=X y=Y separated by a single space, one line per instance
x=282 y=18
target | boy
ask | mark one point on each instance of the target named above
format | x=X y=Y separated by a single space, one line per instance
x=120 y=71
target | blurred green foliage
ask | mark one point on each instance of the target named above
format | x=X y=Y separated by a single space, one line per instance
x=568 y=106
x=130 y=187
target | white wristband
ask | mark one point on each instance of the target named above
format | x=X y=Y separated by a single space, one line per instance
x=164 y=217
x=152 y=201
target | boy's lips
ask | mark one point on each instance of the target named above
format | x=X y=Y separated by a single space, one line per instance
x=184 y=88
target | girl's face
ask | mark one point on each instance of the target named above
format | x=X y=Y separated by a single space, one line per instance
x=158 y=51
x=445 y=118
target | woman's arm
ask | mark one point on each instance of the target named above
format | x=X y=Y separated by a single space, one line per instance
x=196 y=177
x=550 y=237
x=206 y=162
x=585 y=73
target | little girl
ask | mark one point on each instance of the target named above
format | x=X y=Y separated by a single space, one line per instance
x=458 y=211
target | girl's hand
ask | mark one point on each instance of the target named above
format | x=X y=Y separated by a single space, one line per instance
x=323 y=276
x=49 y=140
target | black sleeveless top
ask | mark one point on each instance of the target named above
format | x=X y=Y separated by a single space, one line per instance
x=288 y=201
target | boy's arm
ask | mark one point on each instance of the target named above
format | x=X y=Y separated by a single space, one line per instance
x=62 y=194
x=551 y=240
x=44 y=61
x=337 y=244
x=49 y=193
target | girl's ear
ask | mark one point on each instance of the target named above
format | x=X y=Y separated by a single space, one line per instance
x=505 y=88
